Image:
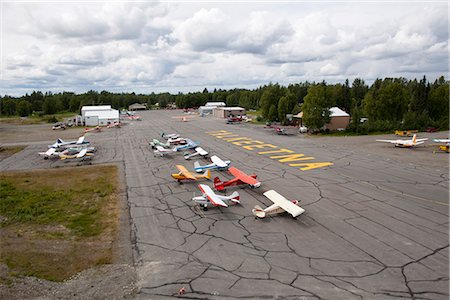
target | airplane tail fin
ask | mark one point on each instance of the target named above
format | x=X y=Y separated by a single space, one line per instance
x=196 y=165
x=59 y=141
x=207 y=174
x=217 y=182
x=258 y=212
x=235 y=197
x=414 y=139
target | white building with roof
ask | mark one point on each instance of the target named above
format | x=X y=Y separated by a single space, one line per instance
x=96 y=115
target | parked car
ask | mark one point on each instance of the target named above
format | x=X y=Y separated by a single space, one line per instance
x=303 y=129
x=431 y=129
x=59 y=125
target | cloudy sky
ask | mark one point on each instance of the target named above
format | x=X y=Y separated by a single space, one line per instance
x=189 y=45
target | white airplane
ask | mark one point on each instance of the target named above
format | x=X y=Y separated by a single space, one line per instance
x=197 y=151
x=52 y=152
x=217 y=164
x=162 y=151
x=82 y=155
x=156 y=142
x=209 y=198
x=169 y=135
x=62 y=144
x=280 y=205
x=405 y=143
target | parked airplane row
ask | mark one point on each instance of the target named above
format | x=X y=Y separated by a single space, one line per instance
x=77 y=149
x=209 y=197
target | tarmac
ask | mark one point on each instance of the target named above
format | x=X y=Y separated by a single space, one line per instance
x=376 y=224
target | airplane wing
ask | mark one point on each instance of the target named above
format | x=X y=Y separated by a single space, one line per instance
x=82 y=153
x=441 y=140
x=50 y=151
x=391 y=141
x=218 y=162
x=211 y=195
x=80 y=140
x=244 y=177
x=284 y=203
x=201 y=151
x=185 y=172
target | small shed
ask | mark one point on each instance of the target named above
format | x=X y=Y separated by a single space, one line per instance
x=206 y=110
x=101 y=117
x=225 y=112
x=339 y=119
x=137 y=106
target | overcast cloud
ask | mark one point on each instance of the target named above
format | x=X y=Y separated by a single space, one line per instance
x=174 y=46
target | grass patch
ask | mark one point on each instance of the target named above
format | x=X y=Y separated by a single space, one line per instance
x=36 y=119
x=55 y=223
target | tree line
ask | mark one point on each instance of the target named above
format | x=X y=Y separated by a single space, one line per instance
x=389 y=103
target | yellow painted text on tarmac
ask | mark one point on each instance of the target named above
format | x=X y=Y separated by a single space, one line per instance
x=274 y=152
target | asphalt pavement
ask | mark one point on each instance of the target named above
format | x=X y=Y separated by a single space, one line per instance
x=374 y=227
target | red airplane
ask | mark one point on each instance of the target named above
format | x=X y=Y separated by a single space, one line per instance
x=239 y=178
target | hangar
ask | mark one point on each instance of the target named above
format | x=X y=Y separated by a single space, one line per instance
x=209 y=108
x=99 y=115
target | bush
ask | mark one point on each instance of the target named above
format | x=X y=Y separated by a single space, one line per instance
x=52 y=119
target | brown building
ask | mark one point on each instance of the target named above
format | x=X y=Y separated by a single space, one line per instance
x=225 y=112
x=137 y=106
x=339 y=119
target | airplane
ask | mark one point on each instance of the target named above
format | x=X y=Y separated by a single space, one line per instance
x=156 y=142
x=115 y=124
x=61 y=144
x=280 y=131
x=183 y=118
x=232 y=120
x=133 y=117
x=50 y=153
x=445 y=147
x=197 y=151
x=405 y=143
x=209 y=198
x=239 y=178
x=280 y=205
x=217 y=164
x=177 y=141
x=95 y=129
x=83 y=155
x=190 y=145
x=184 y=174
x=169 y=135
x=162 y=151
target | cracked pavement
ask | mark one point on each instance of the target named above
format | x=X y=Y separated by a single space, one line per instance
x=375 y=226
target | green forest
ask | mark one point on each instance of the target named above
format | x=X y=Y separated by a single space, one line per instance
x=388 y=104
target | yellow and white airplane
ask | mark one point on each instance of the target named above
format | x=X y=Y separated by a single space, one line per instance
x=280 y=205
x=405 y=143
x=184 y=174
x=82 y=155
x=444 y=147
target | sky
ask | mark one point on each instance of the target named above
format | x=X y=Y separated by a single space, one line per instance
x=184 y=46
